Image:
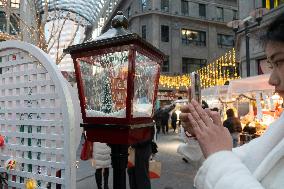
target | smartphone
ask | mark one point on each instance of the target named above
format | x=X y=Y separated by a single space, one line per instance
x=195 y=88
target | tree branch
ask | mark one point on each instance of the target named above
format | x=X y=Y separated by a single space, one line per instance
x=51 y=33
x=59 y=35
x=70 y=42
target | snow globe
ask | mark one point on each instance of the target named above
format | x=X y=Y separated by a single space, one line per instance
x=117 y=78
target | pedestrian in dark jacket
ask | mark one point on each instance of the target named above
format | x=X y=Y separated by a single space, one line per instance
x=139 y=174
x=165 y=117
x=174 y=120
x=234 y=126
x=158 y=119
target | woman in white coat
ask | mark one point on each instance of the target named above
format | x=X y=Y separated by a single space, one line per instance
x=102 y=162
x=256 y=165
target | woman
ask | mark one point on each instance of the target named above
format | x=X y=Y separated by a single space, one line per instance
x=102 y=163
x=234 y=126
x=256 y=165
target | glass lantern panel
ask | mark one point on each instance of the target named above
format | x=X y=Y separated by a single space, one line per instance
x=146 y=71
x=104 y=80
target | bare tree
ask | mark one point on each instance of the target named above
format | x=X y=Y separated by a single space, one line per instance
x=38 y=33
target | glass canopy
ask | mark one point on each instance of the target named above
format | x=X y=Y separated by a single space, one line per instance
x=90 y=10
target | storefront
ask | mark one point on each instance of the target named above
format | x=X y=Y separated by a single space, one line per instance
x=166 y=97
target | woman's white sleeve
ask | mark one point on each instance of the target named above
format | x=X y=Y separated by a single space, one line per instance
x=223 y=170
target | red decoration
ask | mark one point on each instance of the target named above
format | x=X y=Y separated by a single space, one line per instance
x=87 y=150
x=10 y=164
x=2 y=141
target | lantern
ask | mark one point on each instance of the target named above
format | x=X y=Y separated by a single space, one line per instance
x=117 y=77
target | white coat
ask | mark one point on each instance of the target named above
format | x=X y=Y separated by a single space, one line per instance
x=256 y=165
x=101 y=155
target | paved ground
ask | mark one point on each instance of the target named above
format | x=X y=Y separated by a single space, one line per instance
x=176 y=174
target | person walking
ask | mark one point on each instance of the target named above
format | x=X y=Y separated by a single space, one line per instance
x=258 y=164
x=165 y=117
x=234 y=126
x=158 y=119
x=174 y=120
x=102 y=163
x=139 y=174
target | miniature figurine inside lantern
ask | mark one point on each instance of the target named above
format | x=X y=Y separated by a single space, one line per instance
x=117 y=76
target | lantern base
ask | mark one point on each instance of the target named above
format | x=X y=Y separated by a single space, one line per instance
x=117 y=134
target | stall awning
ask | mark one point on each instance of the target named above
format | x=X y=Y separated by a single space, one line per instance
x=215 y=91
x=250 y=84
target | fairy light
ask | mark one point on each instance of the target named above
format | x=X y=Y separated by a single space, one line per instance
x=216 y=73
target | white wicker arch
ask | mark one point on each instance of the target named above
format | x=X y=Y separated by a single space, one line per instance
x=37 y=118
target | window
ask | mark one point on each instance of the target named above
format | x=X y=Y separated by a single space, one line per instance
x=165 y=33
x=193 y=36
x=15 y=3
x=129 y=11
x=166 y=65
x=192 y=64
x=165 y=5
x=14 y=27
x=2 y=22
x=271 y=4
x=225 y=40
x=202 y=10
x=220 y=14
x=1 y=4
x=144 y=32
x=144 y=5
x=235 y=15
x=184 y=7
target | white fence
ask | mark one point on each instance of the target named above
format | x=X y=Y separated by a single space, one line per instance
x=37 y=119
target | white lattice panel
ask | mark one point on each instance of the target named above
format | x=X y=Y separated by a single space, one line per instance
x=36 y=118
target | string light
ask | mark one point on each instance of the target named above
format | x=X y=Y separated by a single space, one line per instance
x=216 y=73
x=5 y=36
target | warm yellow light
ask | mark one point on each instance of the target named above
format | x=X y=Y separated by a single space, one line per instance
x=215 y=73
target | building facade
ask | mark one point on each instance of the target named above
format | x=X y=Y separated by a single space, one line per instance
x=8 y=30
x=191 y=33
x=258 y=63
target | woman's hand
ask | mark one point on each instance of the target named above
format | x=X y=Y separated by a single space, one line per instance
x=207 y=127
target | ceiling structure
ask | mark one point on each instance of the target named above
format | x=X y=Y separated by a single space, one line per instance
x=90 y=10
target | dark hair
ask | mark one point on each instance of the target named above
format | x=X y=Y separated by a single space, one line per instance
x=227 y=83
x=204 y=104
x=275 y=30
x=179 y=97
x=230 y=113
x=215 y=109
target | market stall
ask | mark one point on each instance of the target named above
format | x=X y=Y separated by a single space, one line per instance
x=255 y=101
